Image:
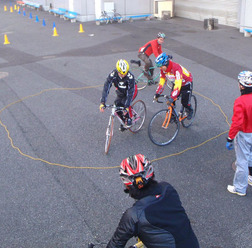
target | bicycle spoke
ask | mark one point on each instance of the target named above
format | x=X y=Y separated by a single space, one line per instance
x=163 y=127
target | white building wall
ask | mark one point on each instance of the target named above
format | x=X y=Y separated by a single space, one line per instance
x=245 y=16
x=133 y=7
x=226 y=11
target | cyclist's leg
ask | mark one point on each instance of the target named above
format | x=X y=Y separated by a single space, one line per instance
x=151 y=70
x=186 y=93
x=148 y=64
x=119 y=102
x=134 y=97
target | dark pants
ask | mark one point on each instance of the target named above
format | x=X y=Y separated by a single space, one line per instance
x=148 y=63
x=186 y=93
x=121 y=99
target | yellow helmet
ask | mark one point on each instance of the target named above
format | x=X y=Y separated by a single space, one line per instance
x=122 y=66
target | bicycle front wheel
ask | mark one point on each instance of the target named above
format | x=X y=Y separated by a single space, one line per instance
x=163 y=127
x=109 y=134
x=138 y=115
x=141 y=80
x=185 y=122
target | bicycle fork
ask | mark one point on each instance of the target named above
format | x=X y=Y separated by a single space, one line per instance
x=109 y=131
x=167 y=118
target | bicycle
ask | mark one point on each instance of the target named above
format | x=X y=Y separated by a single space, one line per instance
x=140 y=77
x=164 y=125
x=137 y=114
x=116 y=17
x=105 y=18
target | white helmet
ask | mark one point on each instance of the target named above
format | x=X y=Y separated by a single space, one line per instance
x=245 y=78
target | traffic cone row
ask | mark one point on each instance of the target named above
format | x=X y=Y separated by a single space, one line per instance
x=17 y=8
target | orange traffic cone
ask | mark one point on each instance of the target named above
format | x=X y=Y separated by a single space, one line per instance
x=55 y=32
x=81 y=29
x=11 y=9
x=5 y=8
x=6 y=41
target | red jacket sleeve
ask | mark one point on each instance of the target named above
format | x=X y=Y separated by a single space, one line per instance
x=237 y=119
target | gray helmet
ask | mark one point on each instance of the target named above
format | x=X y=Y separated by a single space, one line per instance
x=161 y=35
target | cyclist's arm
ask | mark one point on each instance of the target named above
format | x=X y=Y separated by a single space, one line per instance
x=131 y=89
x=177 y=84
x=161 y=84
x=106 y=88
x=125 y=230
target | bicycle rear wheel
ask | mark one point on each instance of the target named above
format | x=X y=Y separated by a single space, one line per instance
x=185 y=122
x=163 y=127
x=138 y=118
x=109 y=134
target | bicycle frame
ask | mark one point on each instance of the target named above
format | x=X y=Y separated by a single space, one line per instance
x=141 y=79
x=137 y=113
x=114 y=110
x=165 y=124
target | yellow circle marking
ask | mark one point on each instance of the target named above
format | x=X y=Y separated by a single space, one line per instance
x=107 y=167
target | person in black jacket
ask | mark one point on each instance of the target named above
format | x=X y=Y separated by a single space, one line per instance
x=126 y=90
x=157 y=217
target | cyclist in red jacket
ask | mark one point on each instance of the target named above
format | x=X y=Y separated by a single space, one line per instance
x=144 y=53
x=180 y=77
x=241 y=132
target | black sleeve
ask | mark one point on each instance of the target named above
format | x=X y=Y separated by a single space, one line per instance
x=131 y=89
x=125 y=230
x=107 y=86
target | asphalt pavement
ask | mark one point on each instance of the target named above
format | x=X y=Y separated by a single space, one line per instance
x=58 y=188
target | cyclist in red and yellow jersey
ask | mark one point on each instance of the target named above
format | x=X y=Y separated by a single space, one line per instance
x=180 y=77
x=144 y=53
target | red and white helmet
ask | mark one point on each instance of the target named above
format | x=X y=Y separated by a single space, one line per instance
x=136 y=170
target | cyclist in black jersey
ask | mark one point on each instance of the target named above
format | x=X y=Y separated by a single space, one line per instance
x=126 y=89
x=157 y=217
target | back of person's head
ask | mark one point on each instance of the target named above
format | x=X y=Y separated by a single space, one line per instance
x=162 y=60
x=136 y=171
x=161 y=35
x=245 y=80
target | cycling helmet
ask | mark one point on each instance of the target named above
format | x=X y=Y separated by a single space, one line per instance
x=161 y=35
x=162 y=59
x=136 y=171
x=245 y=78
x=122 y=66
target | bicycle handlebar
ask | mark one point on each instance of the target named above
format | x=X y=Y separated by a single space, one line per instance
x=166 y=97
x=91 y=245
x=113 y=106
